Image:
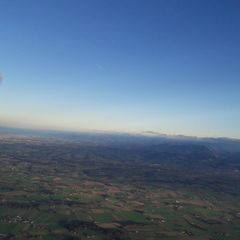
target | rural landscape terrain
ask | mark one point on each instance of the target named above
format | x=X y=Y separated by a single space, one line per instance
x=118 y=186
x=119 y=120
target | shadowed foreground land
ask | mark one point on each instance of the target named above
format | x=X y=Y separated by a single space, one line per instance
x=56 y=189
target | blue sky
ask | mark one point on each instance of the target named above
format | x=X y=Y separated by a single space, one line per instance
x=130 y=65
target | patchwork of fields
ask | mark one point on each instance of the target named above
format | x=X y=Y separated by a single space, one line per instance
x=61 y=190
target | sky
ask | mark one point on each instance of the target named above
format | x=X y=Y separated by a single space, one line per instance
x=170 y=66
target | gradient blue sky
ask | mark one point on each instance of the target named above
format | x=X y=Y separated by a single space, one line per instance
x=171 y=66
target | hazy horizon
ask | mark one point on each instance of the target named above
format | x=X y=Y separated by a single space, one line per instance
x=147 y=133
x=171 y=67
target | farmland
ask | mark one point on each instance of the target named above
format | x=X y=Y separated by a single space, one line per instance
x=58 y=189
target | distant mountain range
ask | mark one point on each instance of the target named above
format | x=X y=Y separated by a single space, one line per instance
x=180 y=152
x=145 y=138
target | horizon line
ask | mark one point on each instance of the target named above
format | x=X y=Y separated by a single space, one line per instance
x=101 y=131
